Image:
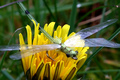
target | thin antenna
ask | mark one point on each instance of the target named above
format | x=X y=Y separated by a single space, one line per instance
x=11 y=3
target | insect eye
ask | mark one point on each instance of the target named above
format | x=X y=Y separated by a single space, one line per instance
x=68 y=55
x=74 y=55
x=76 y=52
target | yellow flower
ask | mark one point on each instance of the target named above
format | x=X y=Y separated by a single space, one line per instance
x=39 y=66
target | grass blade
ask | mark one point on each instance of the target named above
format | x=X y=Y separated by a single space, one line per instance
x=49 y=10
x=5 y=73
x=55 y=5
x=98 y=71
x=20 y=76
x=5 y=53
x=73 y=16
x=103 y=15
x=117 y=76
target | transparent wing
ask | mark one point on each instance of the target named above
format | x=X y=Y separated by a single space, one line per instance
x=91 y=30
x=75 y=41
x=100 y=42
x=18 y=47
x=10 y=48
x=16 y=56
x=30 y=50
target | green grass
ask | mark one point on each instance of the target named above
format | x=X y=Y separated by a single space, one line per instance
x=45 y=11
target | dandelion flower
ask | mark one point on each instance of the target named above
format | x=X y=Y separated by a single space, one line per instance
x=39 y=66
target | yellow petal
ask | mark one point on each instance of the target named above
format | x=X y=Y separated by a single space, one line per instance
x=39 y=71
x=47 y=72
x=29 y=35
x=50 y=28
x=65 y=30
x=81 y=61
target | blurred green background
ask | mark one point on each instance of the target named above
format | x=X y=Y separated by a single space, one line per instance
x=79 y=14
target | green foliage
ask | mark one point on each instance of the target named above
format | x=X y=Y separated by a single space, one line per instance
x=105 y=63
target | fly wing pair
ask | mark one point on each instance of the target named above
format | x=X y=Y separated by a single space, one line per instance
x=27 y=50
x=77 y=40
x=93 y=42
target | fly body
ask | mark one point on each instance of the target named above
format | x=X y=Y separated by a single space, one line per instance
x=69 y=52
x=77 y=40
